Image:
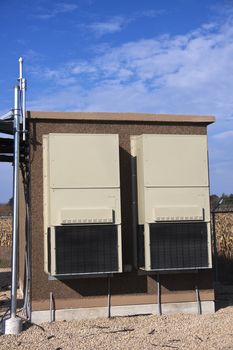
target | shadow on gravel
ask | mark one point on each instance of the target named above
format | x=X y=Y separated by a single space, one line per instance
x=27 y=325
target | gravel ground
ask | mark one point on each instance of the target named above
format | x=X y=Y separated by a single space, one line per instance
x=141 y=332
x=138 y=333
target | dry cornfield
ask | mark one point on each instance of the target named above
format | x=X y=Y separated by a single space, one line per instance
x=224 y=234
x=5 y=231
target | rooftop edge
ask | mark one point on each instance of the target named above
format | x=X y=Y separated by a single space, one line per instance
x=113 y=116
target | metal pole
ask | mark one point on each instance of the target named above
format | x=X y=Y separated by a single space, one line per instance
x=109 y=296
x=51 y=307
x=159 y=295
x=23 y=87
x=24 y=108
x=15 y=225
x=13 y=325
x=199 y=310
x=20 y=69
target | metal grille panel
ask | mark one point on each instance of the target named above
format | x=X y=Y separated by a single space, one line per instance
x=141 y=246
x=49 y=250
x=178 y=246
x=86 y=249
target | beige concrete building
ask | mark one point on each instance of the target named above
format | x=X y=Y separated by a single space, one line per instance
x=119 y=214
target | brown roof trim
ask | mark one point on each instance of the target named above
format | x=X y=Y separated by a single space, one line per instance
x=107 y=116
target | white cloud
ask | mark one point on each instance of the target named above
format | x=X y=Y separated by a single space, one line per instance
x=59 y=8
x=189 y=74
x=118 y=23
x=224 y=135
x=176 y=74
x=110 y=26
x=149 y=13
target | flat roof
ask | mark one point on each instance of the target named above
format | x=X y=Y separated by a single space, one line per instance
x=131 y=117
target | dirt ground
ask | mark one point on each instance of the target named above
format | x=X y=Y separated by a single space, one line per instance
x=139 y=332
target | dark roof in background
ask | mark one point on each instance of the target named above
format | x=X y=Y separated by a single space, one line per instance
x=225 y=206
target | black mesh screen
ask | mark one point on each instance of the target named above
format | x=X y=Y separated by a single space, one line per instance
x=141 y=246
x=86 y=249
x=49 y=249
x=178 y=245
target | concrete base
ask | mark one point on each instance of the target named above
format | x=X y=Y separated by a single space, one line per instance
x=13 y=325
x=207 y=307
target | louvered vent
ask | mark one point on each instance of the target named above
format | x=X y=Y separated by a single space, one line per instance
x=86 y=249
x=178 y=246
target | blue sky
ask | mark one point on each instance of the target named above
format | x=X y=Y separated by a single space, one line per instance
x=154 y=56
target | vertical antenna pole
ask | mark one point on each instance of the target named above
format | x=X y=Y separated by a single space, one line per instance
x=23 y=87
x=14 y=324
x=20 y=69
x=15 y=227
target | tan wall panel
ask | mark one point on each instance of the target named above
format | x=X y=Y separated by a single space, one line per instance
x=64 y=199
x=71 y=167
x=169 y=198
x=175 y=160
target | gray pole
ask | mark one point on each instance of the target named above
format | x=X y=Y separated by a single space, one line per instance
x=23 y=87
x=159 y=295
x=13 y=325
x=15 y=226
